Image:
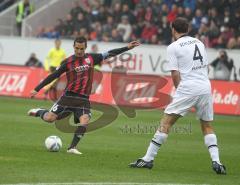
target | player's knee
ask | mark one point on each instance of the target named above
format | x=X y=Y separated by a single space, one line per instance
x=50 y=117
x=84 y=119
x=164 y=127
x=167 y=122
x=206 y=128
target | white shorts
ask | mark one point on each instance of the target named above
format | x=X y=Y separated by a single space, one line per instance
x=182 y=104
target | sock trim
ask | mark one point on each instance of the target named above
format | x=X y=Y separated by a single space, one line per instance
x=42 y=114
x=155 y=143
x=210 y=146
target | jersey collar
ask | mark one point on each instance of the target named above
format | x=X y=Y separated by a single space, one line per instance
x=184 y=35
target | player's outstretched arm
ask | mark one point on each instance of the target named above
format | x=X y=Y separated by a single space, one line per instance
x=118 y=51
x=48 y=80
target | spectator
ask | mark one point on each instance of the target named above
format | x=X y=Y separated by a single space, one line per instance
x=188 y=14
x=164 y=10
x=156 y=8
x=96 y=33
x=128 y=13
x=148 y=14
x=82 y=33
x=180 y=12
x=40 y=31
x=173 y=13
x=75 y=35
x=226 y=33
x=148 y=31
x=68 y=25
x=107 y=3
x=226 y=16
x=189 y=4
x=165 y=32
x=76 y=9
x=108 y=27
x=59 y=27
x=222 y=66
x=81 y=22
x=33 y=61
x=125 y=28
x=201 y=4
x=117 y=9
x=139 y=13
x=213 y=33
x=203 y=32
x=197 y=19
x=232 y=43
x=24 y=8
x=154 y=39
x=213 y=16
x=238 y=43
x=115 y=36
x=50 y=33
x=55 y=56
x=130 y=3
x=235 y=21
x=219 y=43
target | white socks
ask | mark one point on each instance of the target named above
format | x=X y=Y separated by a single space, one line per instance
x=158 y=139
x=211 y=142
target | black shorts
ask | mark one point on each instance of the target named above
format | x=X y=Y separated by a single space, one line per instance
x=71 y=103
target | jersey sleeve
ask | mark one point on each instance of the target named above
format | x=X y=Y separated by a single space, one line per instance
x=172 y=60
x=97 y=58
x=60 y=70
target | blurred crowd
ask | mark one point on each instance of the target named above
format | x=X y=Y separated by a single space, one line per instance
x=215 y=22
x=5 y=4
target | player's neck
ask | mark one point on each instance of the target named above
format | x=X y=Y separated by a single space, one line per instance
x=179 y=35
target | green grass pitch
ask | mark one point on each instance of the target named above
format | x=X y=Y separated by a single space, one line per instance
x=107 y=152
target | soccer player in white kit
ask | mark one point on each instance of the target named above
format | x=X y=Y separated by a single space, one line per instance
x=188 y=63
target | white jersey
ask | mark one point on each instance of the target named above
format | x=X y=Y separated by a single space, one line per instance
x=188 y=56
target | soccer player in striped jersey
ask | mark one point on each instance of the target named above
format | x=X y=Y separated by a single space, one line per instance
x=188 y=63
x=79 y=70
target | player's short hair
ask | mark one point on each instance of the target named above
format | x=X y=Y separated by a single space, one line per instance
x=180 y=25
x=80 y=40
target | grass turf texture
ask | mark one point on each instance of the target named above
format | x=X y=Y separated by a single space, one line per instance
x=108 y=151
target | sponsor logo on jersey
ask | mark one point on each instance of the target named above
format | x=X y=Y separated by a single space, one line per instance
x=82 y=68
x=87 y=60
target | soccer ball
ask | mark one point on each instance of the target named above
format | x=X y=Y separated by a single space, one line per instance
x=53 y=143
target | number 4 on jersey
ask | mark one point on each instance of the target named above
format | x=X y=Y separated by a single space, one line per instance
x=197 y=55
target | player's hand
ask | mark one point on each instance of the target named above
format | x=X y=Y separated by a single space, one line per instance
x=33 y=93
x=133 y=44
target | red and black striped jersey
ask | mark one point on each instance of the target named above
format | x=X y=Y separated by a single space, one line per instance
x=79 y=73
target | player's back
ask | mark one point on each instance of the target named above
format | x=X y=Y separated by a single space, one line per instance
x=188 y=56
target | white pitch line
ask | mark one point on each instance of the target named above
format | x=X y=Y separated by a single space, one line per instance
x=101 y=183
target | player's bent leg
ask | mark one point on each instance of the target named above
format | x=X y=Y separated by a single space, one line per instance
x=44 y=114
x=210 y=141
x=37 y=112
x=167 y=122
x=49 y=117
x=159 y=138
x=79 y=133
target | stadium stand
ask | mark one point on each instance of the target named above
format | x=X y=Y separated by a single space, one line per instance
x=5 y=4
x=215 y=22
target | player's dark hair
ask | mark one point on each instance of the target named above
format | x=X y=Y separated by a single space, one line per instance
x=180 y=25
x=80 y=40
